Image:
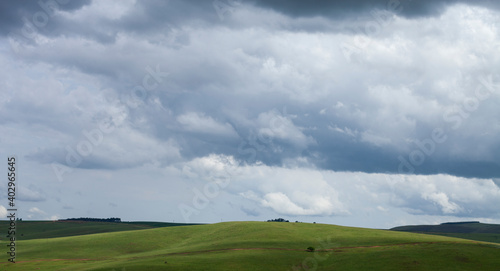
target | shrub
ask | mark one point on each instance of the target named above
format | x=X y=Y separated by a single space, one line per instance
x=310 y=249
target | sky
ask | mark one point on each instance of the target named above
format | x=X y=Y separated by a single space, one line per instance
x=359 y=113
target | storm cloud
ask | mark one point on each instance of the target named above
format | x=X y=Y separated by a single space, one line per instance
x=282 y=89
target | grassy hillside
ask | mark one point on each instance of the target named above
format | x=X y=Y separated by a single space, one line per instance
x=467 y=230
x=28 y=230
x=254 y=246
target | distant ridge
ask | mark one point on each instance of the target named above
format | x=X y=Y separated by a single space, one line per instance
x=93 y=219
x=458 y=223
x=473 y=230
x=452 y=227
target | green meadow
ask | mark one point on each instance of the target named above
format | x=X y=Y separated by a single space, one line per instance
x=253 y=246
x=28 y=230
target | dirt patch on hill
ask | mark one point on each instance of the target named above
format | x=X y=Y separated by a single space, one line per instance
x=336 y=249
x=55 y=260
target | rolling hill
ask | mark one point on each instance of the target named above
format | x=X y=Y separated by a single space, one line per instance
x=254 y=246
x=50 y=229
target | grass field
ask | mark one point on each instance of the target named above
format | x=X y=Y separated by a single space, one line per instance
x=50 y=229
x=254 y=246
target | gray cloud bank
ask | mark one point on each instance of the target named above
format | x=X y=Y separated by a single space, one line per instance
x=344 y=8
x=316 y=103
x=237 y=90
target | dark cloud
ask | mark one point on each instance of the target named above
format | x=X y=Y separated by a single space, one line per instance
x=348 y=8
x=151 y=16
x=223 y=91
x=263 y=96
x=14 y=14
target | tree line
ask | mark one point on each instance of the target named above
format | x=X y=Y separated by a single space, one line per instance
x=111 y=219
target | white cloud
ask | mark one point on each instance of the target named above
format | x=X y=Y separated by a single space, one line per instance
x=443 y=201
x=30 y=194
x=199 y=123
x=111 y=10
x=274 y=125
x=282 y=204
x=3 y=212
x=35 y=210
x=306 y=192
x=54 y=217
x=368 y=136
x=210 y=168
x=345 y=130
x=36 y=213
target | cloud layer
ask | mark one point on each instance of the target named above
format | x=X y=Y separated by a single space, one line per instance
x=297 y=92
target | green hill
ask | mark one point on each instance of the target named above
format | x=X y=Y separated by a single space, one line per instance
x=254 y=246
x=28 y=230
x=467 y=230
